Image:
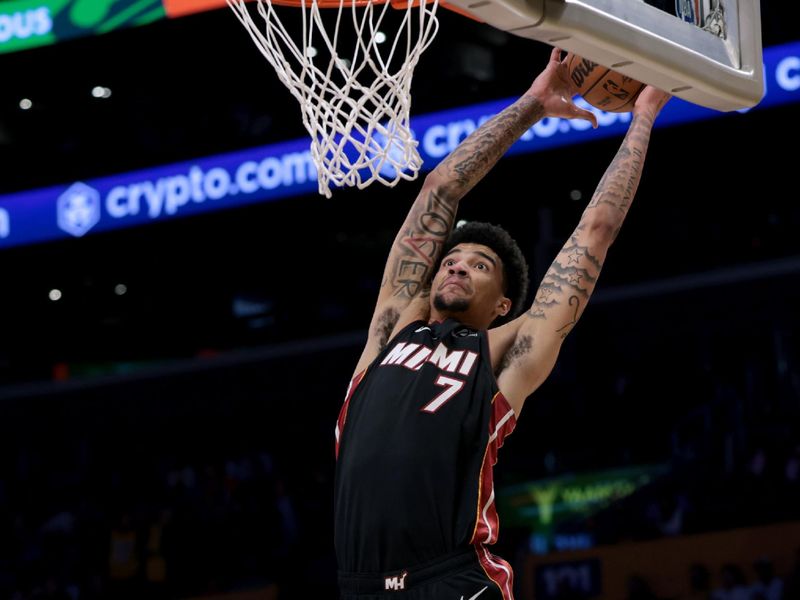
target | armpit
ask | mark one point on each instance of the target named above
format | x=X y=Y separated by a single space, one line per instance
x=521 y=346
x=384 y=325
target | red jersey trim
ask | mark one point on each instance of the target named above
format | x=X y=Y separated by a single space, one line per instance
x=501 y=424
x=343 y=411
x=498 y=570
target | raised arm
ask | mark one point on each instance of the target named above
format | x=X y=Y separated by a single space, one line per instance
x=417 y=246
x=530 y=344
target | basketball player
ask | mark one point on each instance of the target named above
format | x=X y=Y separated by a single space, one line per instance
x=436 y=390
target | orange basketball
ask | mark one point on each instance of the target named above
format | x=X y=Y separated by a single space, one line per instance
x=601 y=87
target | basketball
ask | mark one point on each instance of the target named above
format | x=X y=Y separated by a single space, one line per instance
x=602 y=87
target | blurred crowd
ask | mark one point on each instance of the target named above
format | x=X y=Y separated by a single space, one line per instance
x=733 y=582
x=157 y=527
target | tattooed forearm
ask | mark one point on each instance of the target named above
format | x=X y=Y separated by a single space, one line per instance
x=522 y=346
x=473 y=158
x=618 y=186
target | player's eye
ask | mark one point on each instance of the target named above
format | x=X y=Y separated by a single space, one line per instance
x=481 y=266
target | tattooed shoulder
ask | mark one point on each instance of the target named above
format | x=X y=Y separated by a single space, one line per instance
x=522 y=345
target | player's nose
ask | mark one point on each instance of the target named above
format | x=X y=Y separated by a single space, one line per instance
x=457 y=268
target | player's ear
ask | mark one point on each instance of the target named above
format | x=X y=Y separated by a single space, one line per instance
x=503 y=306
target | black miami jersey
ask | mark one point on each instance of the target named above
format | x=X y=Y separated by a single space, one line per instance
x=416 y=441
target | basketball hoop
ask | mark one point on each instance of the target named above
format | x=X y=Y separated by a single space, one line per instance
x=355 y=105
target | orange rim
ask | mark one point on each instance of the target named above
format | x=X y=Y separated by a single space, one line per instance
x=397 y=4
x=177 y=8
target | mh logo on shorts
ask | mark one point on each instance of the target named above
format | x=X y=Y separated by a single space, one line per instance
x=78 y=209
x=396 y=583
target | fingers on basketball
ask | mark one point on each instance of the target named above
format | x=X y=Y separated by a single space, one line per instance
x=602 y=87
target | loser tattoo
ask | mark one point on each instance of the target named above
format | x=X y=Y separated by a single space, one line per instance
x=420 y=244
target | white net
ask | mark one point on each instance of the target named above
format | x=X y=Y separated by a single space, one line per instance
x=353 y=86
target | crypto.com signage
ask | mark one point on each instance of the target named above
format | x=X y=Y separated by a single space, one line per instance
x=280 y=170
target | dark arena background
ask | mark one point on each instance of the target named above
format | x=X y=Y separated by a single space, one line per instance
x=168 y=391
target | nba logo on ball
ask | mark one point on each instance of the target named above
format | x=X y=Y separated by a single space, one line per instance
x=78 y=209
x=601 y=86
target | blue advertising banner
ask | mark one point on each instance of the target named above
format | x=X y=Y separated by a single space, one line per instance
x=286 y=169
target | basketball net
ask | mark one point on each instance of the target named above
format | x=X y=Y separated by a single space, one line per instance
x=354 y=105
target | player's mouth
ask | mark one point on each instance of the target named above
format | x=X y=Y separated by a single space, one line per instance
x=453 y=281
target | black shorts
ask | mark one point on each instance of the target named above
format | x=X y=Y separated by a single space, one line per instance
x=472 y=574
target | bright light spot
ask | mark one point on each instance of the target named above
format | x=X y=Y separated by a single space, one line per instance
x=575 y=195
x=311 y=52
x=25 y=103
x=461 y=223
x=380 y=37
x=120 y=289
x=99 y=91
x=54 y=295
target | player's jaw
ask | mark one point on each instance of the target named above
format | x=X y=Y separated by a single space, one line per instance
x=445 y=303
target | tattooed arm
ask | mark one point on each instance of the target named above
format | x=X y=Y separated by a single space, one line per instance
x=414 y=255
x=534 y=339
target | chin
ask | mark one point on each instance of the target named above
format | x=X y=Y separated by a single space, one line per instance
x=453 y=305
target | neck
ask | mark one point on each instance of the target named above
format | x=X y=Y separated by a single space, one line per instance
x=462 y=317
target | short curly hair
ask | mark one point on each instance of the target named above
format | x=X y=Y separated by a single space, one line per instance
x=515 y=267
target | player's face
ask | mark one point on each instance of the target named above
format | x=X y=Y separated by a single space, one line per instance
x=470 y=280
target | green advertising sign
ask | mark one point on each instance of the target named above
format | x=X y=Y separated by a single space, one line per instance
x=540 y=505
x=30 y=23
